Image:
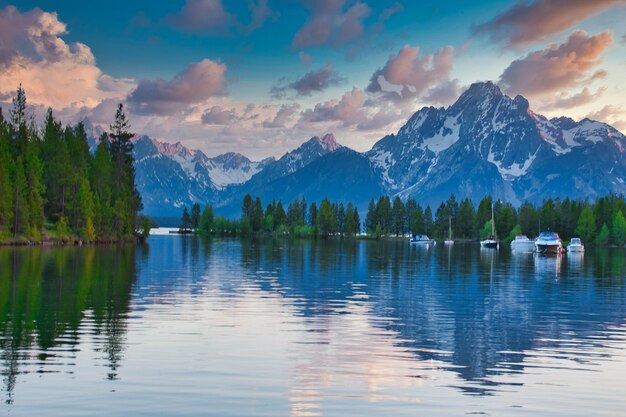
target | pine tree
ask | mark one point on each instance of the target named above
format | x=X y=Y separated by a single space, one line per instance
x=586 y=227
x=417 y=222
x=341 y=218
x=185 y=221
x=618 y=229
x=280 y=218
x=127 y=199
x=6 y=187
x=464 y=225
x=370 y=217
x=604 y=236
x=247 y=206
x=256 y=220
x=20 y=203
x=398 y=217
x=312 y=214
x=206 y=221
x=428 y=220
x=325 y=220
x=195 y=216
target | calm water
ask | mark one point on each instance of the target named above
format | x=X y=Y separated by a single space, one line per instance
x=296 y=328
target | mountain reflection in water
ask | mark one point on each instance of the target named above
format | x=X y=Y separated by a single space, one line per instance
x=307 y=328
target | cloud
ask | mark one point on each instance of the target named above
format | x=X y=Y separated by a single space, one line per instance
x=557 y=67
x=311 y=82
x=570 y=101
x=216 y=115
x=195 y=84
x=305 y=58
x=53 y=72
x=210 y=17
x=528 y=22
x=613 y=115
x=283 y=116
x=445 y=93
x=412 y=73
x=331 y=23
x=349 y=109
x=354 y=109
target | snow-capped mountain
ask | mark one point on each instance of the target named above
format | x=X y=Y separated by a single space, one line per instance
x=486 y=143
x=170 y=176
x=489 y=143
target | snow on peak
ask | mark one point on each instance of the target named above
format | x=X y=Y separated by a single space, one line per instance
x=327 y=142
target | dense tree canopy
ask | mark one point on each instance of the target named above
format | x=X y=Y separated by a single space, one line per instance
x=49 y=181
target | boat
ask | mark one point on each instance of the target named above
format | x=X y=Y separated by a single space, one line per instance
x=522 y=243
x=491 y=242
x=449 y=240
x=421 y=240
x=548 y=243
x=575 y=245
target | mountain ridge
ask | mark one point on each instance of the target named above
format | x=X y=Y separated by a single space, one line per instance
x=484 y=143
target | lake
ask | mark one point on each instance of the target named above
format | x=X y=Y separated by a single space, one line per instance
x=240 y=327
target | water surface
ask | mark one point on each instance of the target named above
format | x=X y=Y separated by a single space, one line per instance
x=229 y=327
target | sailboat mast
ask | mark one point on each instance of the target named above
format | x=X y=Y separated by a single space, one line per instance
x=493 y=223
x=449 y=227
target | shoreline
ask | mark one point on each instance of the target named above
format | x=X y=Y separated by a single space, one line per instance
x=74 y=241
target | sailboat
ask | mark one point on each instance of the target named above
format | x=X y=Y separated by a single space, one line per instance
x=449 y=240
x=491 y=241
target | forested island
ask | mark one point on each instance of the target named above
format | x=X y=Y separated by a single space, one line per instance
x=53 y=189
x=601 y=222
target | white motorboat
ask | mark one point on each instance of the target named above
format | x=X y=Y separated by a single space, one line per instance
x=522 y=243
x=421 y=240
x=575 y=245
x=548 y=243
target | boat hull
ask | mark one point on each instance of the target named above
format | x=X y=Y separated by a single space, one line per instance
x=422 y=242
x=548 y=248
x=490 y=244
x=575 y=249
x=523 y=246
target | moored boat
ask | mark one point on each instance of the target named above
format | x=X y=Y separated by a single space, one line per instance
x=522 y=243
x=421 y=240
x=491 y=242
x=575 y=245
x=449 y=240
x=548 y=243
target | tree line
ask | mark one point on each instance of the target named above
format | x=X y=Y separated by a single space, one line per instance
x=52 y=186
x=299 y=219
x=601 y=222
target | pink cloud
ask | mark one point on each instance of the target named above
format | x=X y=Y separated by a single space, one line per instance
x=283 y=116
x=305 y=58
x=53 y=72
x=557 y=67
x=331 y=23
x=311 y=82
x=210 y=17
x=570 y=101
x=528 y=22
x=412 y=72
x=348 y=110
x=610 y=114
x=217 y=115
x=196 y=83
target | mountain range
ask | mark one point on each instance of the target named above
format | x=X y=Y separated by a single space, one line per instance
x=486 y=143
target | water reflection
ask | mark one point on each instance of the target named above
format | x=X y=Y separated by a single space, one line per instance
x=51 y=300
x=330 y=323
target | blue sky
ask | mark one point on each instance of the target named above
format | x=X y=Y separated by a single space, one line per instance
x=261 y=76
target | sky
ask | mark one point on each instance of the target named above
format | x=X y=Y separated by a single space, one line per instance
x=260 y=77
